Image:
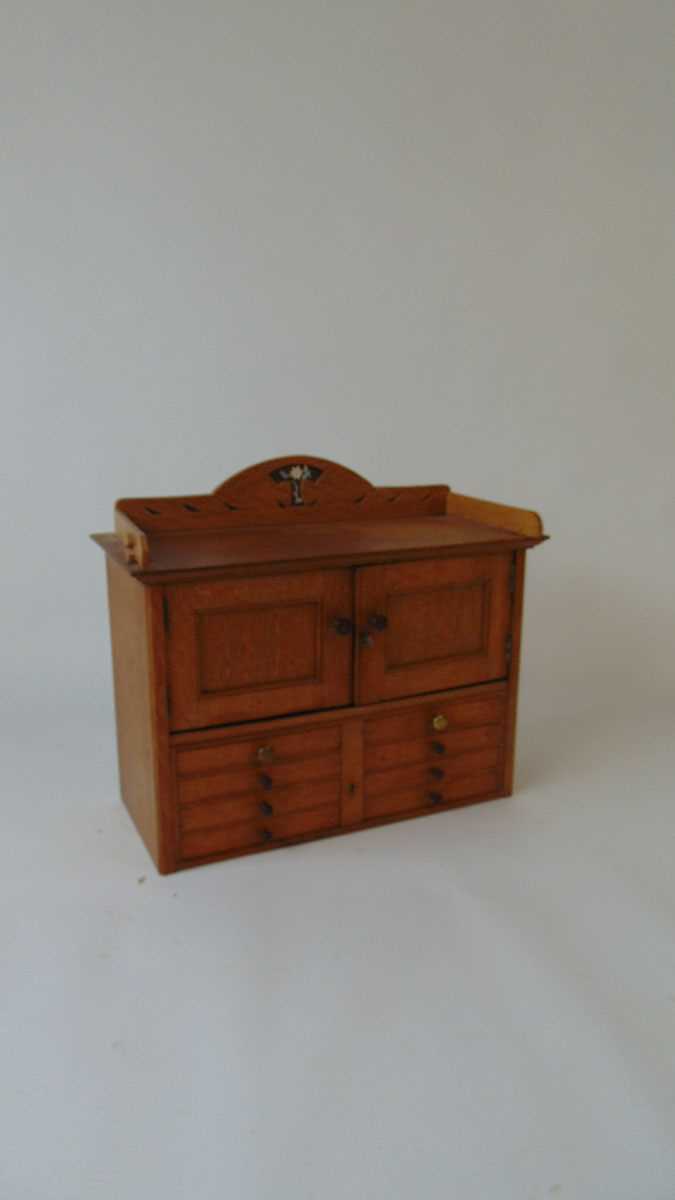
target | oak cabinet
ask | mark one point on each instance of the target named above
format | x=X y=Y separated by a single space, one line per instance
x=300 y=653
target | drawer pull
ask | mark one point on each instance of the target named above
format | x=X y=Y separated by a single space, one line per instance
x=439 y=722
x=343 y=626
x=378 y=621
x=438 y=747
x=434 y=797
x=437 y=772
x=266 y=781
x=266 y=808
x=266 y=835
x=264 y=753
x=366 y=639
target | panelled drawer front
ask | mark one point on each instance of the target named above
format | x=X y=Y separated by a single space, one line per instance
x=478 y=784
x=440 y=746
x=256 y=786
x=430 y=775
x=436 y=753
x=254 y=807
x=230 y=797
x=263 y=780
x=259 y=751
x=243 y=835
x=418 y=720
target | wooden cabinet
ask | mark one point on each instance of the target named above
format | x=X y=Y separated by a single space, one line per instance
x=300 y=653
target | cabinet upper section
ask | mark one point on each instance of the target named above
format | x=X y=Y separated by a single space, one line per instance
x=289 y=511
x=241 y=649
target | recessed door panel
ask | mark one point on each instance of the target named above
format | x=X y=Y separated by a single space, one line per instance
x=426 y=626
x=250 y=648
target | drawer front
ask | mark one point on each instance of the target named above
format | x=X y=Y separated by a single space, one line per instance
x=269 y=783
x=250 y=648
x=257 y=833
x=260 y=751
x=438 y=719
x=479 y=785
x=428 y=626
x=438 y=748
x=435 y=753
x=261 y=782
x=431 y=776
x=251 y=806
x=230 y=798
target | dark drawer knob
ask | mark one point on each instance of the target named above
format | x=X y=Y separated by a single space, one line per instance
x=366 y=639
x=378 y=621
x=434 y=797
x=264 y=753
x=266 y=781
x=266 y=835
x=437 y=772
x=438 y=747
x=343 y=626
x=266 y=808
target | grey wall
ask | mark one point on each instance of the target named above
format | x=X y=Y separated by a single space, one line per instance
x=431 y=240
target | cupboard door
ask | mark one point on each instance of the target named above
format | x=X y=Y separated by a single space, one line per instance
x=425 y=626
x=249 y=648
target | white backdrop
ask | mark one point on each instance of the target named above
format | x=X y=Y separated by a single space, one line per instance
x=433 y=241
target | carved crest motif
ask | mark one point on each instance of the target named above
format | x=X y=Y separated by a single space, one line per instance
x=297 y=475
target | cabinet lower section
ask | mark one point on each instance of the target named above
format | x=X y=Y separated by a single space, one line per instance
x=252 y=787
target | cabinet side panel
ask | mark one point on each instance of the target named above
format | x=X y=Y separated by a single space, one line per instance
x=134 y=703
x=514 y=670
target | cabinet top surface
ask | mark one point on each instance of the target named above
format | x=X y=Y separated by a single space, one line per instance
x=305 y=509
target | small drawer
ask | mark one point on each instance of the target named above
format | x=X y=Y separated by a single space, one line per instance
x=255 y=807
x=202 y=842
x=263 y=781
x=259 y=751
x=436 y=717
x=432 y=776
x=379 y=756
x=257 y=833
x=479 y=785
x=291 y=825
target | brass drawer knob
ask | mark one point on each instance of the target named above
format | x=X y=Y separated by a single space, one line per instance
x=264 y=753
x=266 y=781
x=439 y=722
x=265 y=808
